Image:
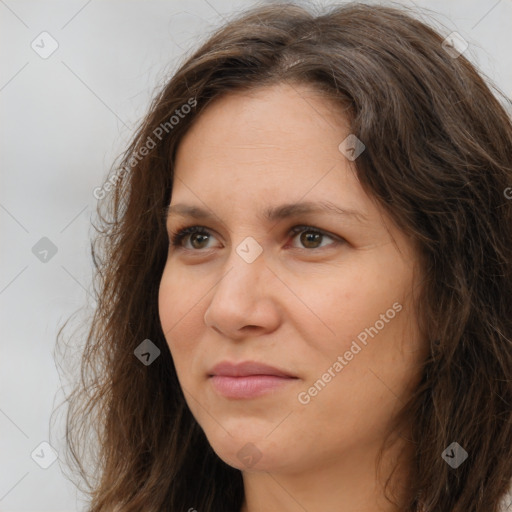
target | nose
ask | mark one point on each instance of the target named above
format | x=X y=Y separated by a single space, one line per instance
x=244 y=300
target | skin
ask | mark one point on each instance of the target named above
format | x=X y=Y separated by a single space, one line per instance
x=298 y=306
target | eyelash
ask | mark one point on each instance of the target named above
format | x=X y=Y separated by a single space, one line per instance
x=176 y=237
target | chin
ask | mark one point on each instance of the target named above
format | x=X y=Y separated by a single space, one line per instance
x=248 y=449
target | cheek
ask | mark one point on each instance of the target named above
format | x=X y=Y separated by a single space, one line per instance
x=167 y=303
x=334 y=309
x=366 y=318
x=179 y=306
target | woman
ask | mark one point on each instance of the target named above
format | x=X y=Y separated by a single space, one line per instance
x=305 y=279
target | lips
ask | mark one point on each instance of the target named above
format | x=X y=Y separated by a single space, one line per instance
x=246 y=369
x=248 y=379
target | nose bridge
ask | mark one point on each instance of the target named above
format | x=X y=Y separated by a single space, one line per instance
x=244 y=268
x=241 y=296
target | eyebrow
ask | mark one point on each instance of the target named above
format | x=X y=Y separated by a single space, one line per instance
x=272 y=213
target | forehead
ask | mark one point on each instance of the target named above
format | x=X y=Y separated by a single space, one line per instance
x=282 y=117
x=266 y=137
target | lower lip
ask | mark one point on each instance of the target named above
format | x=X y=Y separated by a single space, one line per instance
x=248 y=387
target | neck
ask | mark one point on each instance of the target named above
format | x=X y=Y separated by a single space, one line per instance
x=349 y=483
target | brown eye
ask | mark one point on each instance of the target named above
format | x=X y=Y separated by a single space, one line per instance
x=311 y=238
x=197 y=240
x=191 y=238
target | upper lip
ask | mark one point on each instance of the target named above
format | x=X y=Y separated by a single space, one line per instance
x=246 y=368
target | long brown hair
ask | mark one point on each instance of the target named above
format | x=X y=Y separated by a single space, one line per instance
x=438 y=158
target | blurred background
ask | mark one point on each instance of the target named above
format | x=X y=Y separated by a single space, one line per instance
x=76 y=77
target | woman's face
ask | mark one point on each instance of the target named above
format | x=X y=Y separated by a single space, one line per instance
x=328 y=305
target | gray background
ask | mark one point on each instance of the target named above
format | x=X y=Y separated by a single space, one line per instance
x=63 y=121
